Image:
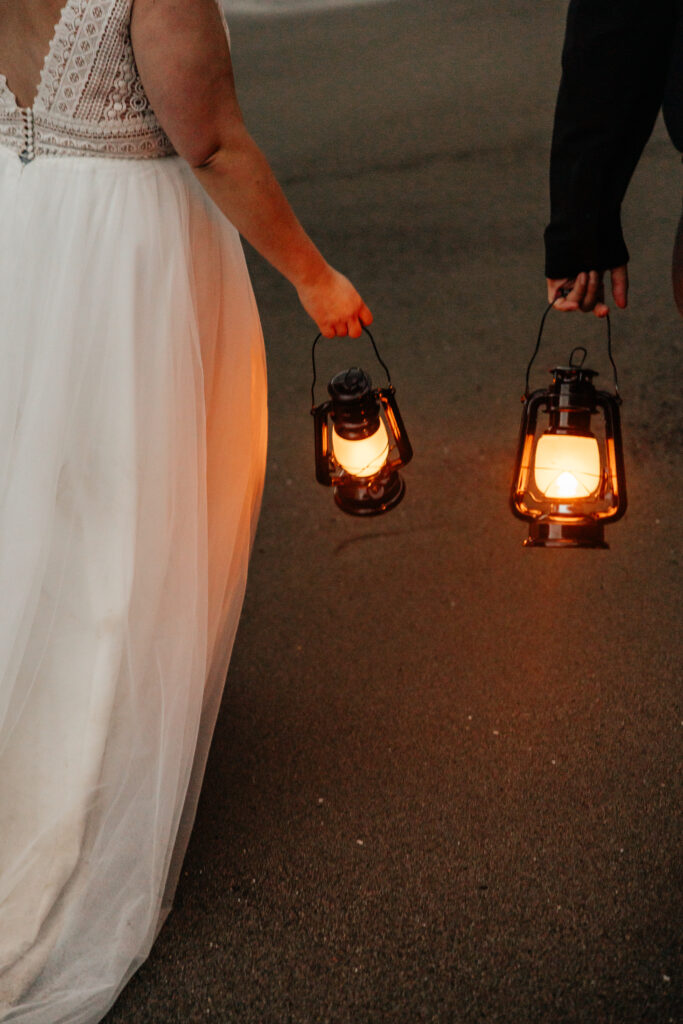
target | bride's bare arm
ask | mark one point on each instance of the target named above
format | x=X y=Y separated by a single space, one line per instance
x=184 y=62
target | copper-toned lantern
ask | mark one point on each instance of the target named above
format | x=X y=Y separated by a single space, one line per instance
x=569 y=477
x=360 y=441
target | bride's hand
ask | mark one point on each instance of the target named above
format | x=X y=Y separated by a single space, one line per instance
x=335 y=305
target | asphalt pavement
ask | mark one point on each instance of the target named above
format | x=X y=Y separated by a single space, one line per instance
x=444 y=783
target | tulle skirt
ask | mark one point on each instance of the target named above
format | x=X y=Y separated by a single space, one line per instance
x=132 y=454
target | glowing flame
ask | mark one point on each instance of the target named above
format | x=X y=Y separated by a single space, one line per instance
x=567 y=485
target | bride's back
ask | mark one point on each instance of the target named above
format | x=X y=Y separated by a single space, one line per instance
x=26 y=30
x=69 y=83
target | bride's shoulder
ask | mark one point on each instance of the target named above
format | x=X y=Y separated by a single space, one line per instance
x=190 y=12
x=193 y=26
x=182 y=53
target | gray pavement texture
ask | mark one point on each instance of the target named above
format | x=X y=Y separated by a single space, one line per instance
x=443 y=786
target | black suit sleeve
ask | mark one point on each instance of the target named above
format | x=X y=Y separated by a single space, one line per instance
x=614 y=67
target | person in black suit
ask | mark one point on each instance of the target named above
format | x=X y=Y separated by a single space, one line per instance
x=622 y=61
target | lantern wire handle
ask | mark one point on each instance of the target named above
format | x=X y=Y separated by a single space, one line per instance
x=611 y=358
x=579 y=348
x=538 y=344
x=562 y=293
x=379 y=360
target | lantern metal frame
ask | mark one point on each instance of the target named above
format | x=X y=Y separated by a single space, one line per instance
x=570 y=402
x=355 y=495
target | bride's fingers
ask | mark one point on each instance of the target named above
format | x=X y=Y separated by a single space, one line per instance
x=354 y=328
x=365 y=316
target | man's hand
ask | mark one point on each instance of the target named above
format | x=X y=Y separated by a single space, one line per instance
x=586 y=291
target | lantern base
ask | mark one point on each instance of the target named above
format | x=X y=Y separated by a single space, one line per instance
x=371 y=498
x=549 y=534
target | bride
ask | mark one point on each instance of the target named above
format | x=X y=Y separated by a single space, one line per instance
x=132 y=450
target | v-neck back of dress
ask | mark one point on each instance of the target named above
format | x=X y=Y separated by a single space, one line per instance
x=90 y=100
x=47 y=53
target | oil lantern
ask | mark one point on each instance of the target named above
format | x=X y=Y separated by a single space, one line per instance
x=360 y=440
x=569 y=478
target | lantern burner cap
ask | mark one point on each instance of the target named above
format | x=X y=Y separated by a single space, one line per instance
x=572 y=374
x=350 y=385
x=355 y=406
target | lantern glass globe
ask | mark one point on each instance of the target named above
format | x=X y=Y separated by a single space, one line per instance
x=567 y=466
x=363 y=457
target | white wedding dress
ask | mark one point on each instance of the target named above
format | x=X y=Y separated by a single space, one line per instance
x=132 y=453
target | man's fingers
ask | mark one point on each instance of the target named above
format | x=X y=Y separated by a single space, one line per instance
x=578 y=289
x=620 y=286
x=556 y=286
x=552 y=287
x=587 y=293
x=592 y=292
x=570 y=301
x=575 y=292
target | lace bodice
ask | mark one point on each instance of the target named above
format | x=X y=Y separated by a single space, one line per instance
x=90 y=101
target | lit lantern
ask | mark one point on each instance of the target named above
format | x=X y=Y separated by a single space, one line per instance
x=569 y=479
x=360 y=441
